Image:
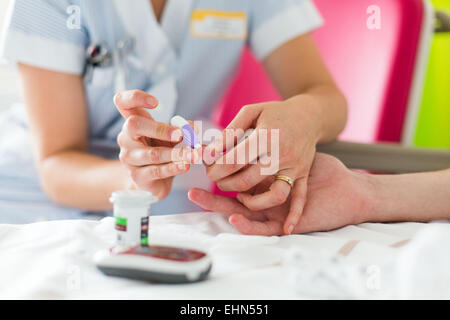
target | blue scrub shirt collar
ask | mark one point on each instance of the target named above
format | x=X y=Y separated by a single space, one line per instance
x=154 y=47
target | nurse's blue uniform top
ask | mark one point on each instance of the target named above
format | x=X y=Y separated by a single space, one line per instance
x=187 y=61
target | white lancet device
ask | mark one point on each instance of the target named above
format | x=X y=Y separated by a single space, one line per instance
x=189 y=136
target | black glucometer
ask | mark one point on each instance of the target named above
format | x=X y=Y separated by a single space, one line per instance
x=155 y=264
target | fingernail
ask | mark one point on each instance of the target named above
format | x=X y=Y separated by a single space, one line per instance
x=290 y=229
x=189 y=157
x=181 y=166
x=176 y=135
x=151 y=101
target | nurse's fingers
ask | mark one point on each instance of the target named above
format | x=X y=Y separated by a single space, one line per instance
x=243 y=180
x=277 y=194
x=125 y=142
x=226 y=205
x=134 y=102
x=161 y=188
x=236 y=129
x=137 y=127
x=145 y=176
x=298 y=201
x=248 y=227
x=145 y=156
x=244 y=153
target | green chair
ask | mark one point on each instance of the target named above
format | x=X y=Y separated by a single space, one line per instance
x=433 y=123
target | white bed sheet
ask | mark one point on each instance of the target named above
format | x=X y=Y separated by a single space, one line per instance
x=53 y=260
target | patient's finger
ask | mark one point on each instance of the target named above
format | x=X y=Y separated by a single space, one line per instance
x=266 y=228
x=226 y=205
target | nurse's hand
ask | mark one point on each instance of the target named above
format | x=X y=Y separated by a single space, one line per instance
x=328 y=207
x=147 y=146
x=296 y=123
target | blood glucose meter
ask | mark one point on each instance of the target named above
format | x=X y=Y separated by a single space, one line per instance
x=133 y=257
x=155 y=264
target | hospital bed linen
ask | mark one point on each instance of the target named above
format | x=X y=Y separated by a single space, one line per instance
x=54 y=259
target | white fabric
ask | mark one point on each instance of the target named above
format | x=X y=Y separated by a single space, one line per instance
x=152 y=48
x=63 y=57
x=423 y=268
x=54 y=259
x=175 y=16
x=285 y=26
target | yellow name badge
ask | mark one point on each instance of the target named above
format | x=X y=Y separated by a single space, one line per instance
x=219 y=24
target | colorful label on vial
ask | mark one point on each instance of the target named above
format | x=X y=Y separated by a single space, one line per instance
x=144 y=231
x=121 y=224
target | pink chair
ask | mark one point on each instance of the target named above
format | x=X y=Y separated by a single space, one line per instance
x=376 y=69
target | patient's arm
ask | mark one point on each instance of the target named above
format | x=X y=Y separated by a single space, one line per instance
x=58 y=119
x=409 y=197
x=338 y=196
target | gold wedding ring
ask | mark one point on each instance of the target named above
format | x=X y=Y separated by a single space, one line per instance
x=287 y=179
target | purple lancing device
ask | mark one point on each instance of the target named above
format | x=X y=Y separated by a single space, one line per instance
x=189 y=136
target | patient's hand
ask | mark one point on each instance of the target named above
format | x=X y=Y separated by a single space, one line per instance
x=336 y=197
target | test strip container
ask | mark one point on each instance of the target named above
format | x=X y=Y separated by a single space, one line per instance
x=132 y=216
